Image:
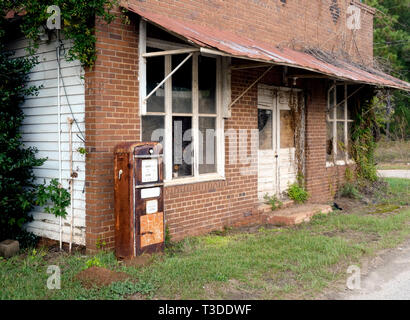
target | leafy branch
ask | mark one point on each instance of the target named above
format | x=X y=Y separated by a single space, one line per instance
x=57 y=195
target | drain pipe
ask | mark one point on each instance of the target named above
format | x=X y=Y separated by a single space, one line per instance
x=60 y=174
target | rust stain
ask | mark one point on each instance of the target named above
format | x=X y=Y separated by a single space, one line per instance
x=152 y=229
x=232 y=44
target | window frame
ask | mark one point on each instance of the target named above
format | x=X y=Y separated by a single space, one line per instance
x=168 y=115
x=347 y=159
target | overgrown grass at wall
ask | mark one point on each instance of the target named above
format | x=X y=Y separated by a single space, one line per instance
x=265 y=263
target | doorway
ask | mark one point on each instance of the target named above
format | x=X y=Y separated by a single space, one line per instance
x=276 y=153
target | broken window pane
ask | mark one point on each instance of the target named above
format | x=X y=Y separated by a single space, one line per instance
x=340 y=97
x=155 y=74
x=207 y=145
x=341 y=146
x=265 y=129
x=207 y=84
x=329 y=141
x=331 y=103
x=182 y=85
x=350 y=141
x=182 y=146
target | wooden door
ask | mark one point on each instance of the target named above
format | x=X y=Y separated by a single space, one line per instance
x=276 y=152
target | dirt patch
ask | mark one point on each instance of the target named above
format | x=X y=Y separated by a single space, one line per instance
x=347 y=205
x=231 y=290
x=99 y=277
x=139 y=261
x=353 y=236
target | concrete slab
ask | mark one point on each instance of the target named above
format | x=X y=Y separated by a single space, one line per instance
x=9 y=248
x=394 y=173
x=296 y=214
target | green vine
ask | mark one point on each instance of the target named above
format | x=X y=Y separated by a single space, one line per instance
x=364 y=145
x=77 y=23
x=57 y=195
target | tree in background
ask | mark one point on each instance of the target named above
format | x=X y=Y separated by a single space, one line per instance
x=17 y=189
x=392 y=52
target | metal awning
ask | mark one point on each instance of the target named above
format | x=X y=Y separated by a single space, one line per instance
x=223 y=42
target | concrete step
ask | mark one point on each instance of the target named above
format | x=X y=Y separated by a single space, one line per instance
x=294 y=214
x=266 y=208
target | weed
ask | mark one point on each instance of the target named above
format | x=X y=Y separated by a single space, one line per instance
x=100 y=244
x=128 y=288
x=297 y=193
x=349 y=190
x=273 y=200
x=94 y=262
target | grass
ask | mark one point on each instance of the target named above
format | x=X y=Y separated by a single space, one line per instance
x=269 y=263
x=393 y=166
x=393 y=154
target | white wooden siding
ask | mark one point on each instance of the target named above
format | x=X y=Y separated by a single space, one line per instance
x=40 y=130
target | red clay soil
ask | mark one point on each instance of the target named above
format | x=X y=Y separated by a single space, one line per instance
x=138 y=261
x=99 y=277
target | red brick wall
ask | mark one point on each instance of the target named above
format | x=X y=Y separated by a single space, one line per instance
x=321 y=182
x=111 y=117
x=302 y=23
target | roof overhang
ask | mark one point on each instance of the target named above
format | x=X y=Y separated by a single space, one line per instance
x=222 y=42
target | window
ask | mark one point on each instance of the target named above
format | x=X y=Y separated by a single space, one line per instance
x=339 y=125
x=184 y=114
x=265 y=129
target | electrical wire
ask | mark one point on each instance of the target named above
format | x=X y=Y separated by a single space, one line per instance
x=61 y=47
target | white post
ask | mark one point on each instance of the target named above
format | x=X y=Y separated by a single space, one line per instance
x=59 y=128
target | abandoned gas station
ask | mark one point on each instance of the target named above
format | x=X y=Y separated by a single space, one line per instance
x=233 y=100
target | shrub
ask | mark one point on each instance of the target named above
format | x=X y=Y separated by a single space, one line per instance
x=17 y=188
x=297 y=193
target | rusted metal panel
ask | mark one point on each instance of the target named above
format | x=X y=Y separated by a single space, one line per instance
x=237 y=46
x=136 y=229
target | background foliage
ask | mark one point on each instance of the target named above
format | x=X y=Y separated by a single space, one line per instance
x=17 y=189
x=77 y=22
x=392 y=51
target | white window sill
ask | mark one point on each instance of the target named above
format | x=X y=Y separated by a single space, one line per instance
x=339 y=163
x=189 y=180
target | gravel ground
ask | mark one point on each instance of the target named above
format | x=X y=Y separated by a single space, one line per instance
x=386 y=277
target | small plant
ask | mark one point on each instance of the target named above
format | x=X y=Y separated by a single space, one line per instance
x=82 y=150
x=349 y=190
x=167 y=238
x=100 y=244
x=273 y=200
x=297 y=193
x=349 y=174
x=94 y=262
x=128 y=288
x=57 y=195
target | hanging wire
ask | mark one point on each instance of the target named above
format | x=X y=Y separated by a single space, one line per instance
x=61 y=47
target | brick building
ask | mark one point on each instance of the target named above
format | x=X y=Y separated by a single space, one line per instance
x=274 y=82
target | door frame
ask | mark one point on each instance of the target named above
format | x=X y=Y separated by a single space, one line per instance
x=276 y=108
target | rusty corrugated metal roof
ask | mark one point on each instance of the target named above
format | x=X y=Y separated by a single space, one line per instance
x=234 y=45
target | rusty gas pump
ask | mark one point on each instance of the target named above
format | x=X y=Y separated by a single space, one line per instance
x=139 y=199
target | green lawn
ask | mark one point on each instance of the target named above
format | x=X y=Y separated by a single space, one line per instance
x=267 y=263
